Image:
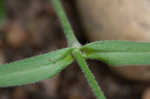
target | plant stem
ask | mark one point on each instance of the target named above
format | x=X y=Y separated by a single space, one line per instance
x=71 y=39
x=88 y=74
x=73 y=42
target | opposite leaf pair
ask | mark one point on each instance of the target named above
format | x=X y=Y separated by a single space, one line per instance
x=45 y=66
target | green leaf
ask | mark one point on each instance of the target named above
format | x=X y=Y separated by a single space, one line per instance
x=2 y=11
x=35 y=68
x=118 y=52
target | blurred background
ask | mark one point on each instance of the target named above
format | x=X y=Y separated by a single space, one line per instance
x=31 y=27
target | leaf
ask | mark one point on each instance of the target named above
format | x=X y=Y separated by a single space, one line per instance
x=2 y=11
x=35 y=68
x=118 y=52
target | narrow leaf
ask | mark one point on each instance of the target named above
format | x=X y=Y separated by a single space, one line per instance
x=119 y=52
x=35 y=68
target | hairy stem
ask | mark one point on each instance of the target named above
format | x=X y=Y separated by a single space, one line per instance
x=71 y=39
x=73 y=42
x=88 y=74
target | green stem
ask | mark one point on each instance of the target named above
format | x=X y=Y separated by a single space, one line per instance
x=73 y=42
x=71 y=39
x=88 y=74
